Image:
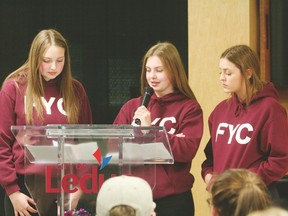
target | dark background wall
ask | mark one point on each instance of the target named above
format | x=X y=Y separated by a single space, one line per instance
x=107 y=39
x=279 y=43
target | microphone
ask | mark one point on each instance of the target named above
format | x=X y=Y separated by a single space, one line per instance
x=148 y=91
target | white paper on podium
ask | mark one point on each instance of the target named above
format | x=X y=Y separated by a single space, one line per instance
x=73 y=153
x=148 y=152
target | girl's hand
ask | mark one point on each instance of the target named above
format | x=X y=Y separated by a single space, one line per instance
x=144 y=115
x=21 y=204
x=74 y=199
x=208 y=181
x=180 y=135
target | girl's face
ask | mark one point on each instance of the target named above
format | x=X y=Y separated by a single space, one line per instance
x=156 y=76
x=52 y=62
x=232 y=79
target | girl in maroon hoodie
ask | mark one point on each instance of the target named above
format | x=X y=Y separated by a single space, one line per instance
x=248 y=130
x=174 y=106
x=40 y=92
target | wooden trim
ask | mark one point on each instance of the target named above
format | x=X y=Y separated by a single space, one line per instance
x=264 y=40
x=265 y=68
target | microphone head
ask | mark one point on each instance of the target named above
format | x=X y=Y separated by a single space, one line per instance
x=148 y=90
x=147 y=94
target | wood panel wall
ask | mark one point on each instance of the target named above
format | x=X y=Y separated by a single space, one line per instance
x=213 y=26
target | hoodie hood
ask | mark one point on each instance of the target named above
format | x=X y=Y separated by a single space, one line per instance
x=169 y=98
x=268 y=90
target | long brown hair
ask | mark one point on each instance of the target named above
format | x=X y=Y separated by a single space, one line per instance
x=244 y=58
x=172 y=62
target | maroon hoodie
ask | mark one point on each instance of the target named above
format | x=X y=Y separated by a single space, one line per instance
x=253 y=137
x=178 y=114
x=12 y=113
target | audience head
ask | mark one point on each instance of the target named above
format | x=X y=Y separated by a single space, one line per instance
x=236 y=192
x=125 y=196
x=273 y=211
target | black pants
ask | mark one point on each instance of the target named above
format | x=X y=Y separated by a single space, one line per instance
x=279 y=194
x=175 y=205
x=2 y=196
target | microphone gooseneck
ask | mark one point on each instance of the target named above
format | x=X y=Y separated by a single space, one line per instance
x=148 y=91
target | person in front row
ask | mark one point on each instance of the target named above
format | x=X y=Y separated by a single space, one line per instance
x=236 y=192
x=272 y=211
x=174 y=106
x=42 y=91
x=125 y=196
x=248 y=130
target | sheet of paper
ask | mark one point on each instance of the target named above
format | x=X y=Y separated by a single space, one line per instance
x=154 y=152
x=79 y=153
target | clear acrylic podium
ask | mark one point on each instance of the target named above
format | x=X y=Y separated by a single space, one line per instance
x=63 y=162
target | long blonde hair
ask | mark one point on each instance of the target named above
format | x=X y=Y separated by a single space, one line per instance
x=172 y=62
x=35 y=87
x=236 y=192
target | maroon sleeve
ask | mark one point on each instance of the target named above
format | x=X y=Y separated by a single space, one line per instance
x=126 y=113
x=274 y=139
x=8 y=177
x=185 y=148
